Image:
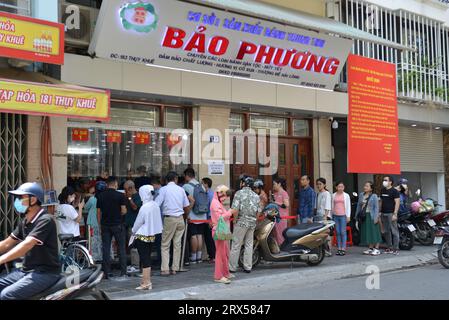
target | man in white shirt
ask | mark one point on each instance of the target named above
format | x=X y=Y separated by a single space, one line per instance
x=175 y=207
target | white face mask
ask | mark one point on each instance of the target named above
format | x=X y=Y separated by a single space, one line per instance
x=385 y=184
x=404 y=186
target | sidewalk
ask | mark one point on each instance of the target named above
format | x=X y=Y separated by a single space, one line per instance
x=198 y=283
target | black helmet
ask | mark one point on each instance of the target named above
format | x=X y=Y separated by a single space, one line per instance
x=32 y=189
x=100 y=186
x=249 y=182
x=242 y=177
x=258 y=184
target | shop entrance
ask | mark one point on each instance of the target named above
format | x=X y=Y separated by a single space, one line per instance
x=294 y=160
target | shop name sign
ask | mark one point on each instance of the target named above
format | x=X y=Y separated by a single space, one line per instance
x=31 y=39
x=180 y=35
x=42 y=99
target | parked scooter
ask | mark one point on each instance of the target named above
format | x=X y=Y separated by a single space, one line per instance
x=441 y=218
x=406 y=231
x=424 y=224
x=76 y=286
x=442 y=240
x=303 y=242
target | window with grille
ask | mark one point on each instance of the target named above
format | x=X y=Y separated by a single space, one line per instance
x=21 y=7
x=236 y=121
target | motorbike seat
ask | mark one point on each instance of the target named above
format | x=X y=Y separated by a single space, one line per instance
x=301 y=230
x=62 y=282
x=65 y=237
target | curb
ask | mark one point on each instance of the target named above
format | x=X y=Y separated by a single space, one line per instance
x=287 y=278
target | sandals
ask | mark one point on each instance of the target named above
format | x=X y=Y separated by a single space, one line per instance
x=145 y=287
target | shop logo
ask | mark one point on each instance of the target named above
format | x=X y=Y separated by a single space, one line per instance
x=139 y=16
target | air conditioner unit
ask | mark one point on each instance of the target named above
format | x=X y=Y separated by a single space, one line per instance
x=78 y=33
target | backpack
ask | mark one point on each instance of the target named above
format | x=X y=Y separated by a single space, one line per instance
x=201 y=197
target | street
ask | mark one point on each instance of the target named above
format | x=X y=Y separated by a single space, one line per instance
x=425 y=283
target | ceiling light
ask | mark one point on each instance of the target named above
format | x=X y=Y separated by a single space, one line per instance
x=414 y=125
x=437 y=128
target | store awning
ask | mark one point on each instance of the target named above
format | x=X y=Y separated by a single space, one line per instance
x=297 y=19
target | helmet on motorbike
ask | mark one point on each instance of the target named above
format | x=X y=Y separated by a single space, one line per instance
x=258 y=184
x=271 y=209
x=100 y=186
x=33 y=189
x=415 y=206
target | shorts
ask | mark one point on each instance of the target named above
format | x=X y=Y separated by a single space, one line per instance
x=197 y=229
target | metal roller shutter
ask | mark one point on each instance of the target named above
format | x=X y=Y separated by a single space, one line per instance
x=421 y=150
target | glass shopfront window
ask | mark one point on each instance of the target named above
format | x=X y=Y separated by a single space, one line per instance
x=130 y=142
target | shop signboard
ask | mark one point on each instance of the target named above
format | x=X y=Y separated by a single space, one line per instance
x=113 y=136
x=142 y=138
x=31 y=39
x=80 y=134
x=54 y=100
x=186 y=36
x=373 y=129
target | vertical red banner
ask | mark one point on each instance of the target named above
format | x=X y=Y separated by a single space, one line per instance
x=114 y=137
x=373 y=130
x=80 y=134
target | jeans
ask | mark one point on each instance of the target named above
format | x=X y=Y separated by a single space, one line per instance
x=340 y=228
x=20 y=285
x=390 y=228
x=119 y=234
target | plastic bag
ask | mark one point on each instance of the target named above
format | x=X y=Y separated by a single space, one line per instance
x=222 y=231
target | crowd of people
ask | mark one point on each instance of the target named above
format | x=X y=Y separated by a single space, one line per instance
x=151 y=217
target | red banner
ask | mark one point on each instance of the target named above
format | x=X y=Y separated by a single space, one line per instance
x=80 y=134
x=114 y=137
x=142 y=138
x=373 y=132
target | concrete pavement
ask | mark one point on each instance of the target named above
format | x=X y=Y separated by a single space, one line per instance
x=198 y=282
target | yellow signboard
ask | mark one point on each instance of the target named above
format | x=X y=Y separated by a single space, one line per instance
x=52 y=100
x=31 y=39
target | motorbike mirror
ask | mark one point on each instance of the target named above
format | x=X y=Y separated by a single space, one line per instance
x=418 y=192
x=355 y=194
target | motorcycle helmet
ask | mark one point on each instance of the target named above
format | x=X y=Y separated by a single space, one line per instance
x=258 y=184
x=402 y=181
x=249 y=182
x=33 y=189
x=100 y=186
x=271 y=210
x=415 y=206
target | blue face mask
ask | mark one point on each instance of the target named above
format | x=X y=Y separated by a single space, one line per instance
x=20 y=208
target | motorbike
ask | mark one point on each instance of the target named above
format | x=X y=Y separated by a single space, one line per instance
x=406 y=231
x=442 y=240
x=75 y=286
x=424 y=225
x=303 y=242
x=441 y=218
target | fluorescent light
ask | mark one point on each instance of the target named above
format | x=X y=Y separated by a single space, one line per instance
x=414 y=125
x=437 y=128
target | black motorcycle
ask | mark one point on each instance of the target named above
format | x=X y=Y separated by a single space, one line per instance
x=406 y=231
x=442 y=240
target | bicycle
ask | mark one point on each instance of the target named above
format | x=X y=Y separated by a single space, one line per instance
x=74 y=254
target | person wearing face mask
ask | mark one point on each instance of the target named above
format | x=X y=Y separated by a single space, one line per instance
x=403 y=196
x=35 y=239
x=66 y=216
x=390 y=201
x=217 y=210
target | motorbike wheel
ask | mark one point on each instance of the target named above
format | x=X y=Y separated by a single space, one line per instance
x=443 y=254
x=256 y=257
x=321 y=254
x=425 y=234
x=406 y=239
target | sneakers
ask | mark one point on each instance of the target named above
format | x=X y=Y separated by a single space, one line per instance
x=368 y=252
x=132 y=269
x=375 y=252
x=199 y=261
x=341 y=253
x=223 y=281
x=246 y=271
x=395 y=252
x=121 y=278
x=231 y=276
x=388 y=251
x=193 y=261
x=328 y=253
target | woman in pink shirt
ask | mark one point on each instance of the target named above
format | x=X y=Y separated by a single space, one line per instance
x=217 y=209
x=282 y=200
x=341 y=213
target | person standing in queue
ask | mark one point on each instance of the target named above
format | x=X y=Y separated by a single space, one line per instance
x=245 y=208
x=282 y=199
x=341 y=213
x=208 y=239
x=66 y=216
x=307 y=199
x=368 y=214
x=175 y=208
x=111 y=207
x=323 y=209
x=389 y=207
x=222 y=274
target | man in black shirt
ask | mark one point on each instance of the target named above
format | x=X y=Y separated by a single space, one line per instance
x=35 y=239
x=389 y=207
x=111 y=207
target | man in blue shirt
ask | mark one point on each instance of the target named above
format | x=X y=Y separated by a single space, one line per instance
x=307 y=198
